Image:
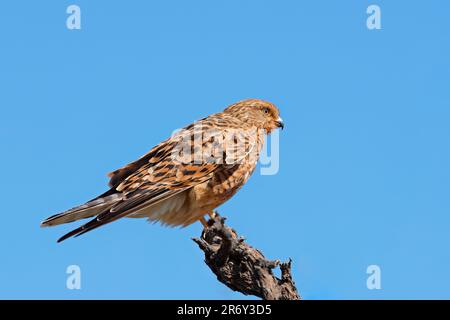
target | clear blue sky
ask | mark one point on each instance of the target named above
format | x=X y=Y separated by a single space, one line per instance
x=364 y=175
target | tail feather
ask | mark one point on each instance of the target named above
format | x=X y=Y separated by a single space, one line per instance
x=89 y=209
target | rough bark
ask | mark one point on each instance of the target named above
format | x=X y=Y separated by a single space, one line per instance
x=243 y=268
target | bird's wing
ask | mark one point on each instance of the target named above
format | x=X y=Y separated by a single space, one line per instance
x=152 y=157
x=159 y=175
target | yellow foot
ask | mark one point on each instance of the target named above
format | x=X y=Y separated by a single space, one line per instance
x=212 y=214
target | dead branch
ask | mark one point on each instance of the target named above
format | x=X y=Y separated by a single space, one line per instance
x=241 y=267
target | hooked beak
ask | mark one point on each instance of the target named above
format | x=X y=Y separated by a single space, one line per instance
x=280 y=123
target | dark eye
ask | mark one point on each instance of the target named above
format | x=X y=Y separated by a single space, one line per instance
x=266 y=110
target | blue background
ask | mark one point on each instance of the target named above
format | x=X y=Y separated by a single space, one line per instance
x=364 y=165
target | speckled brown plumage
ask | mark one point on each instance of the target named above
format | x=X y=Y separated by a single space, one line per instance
x=186 y=176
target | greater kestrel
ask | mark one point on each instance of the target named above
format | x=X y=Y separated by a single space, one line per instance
x=185 y=177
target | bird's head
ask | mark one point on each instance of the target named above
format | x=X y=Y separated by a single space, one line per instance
x=259 y=113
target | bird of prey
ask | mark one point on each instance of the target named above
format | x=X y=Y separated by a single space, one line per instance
x=185 y=177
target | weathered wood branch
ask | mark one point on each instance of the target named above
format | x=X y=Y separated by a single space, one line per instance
x=241 y=267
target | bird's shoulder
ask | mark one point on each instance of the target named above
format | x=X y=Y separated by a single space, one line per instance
x=158 y=165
